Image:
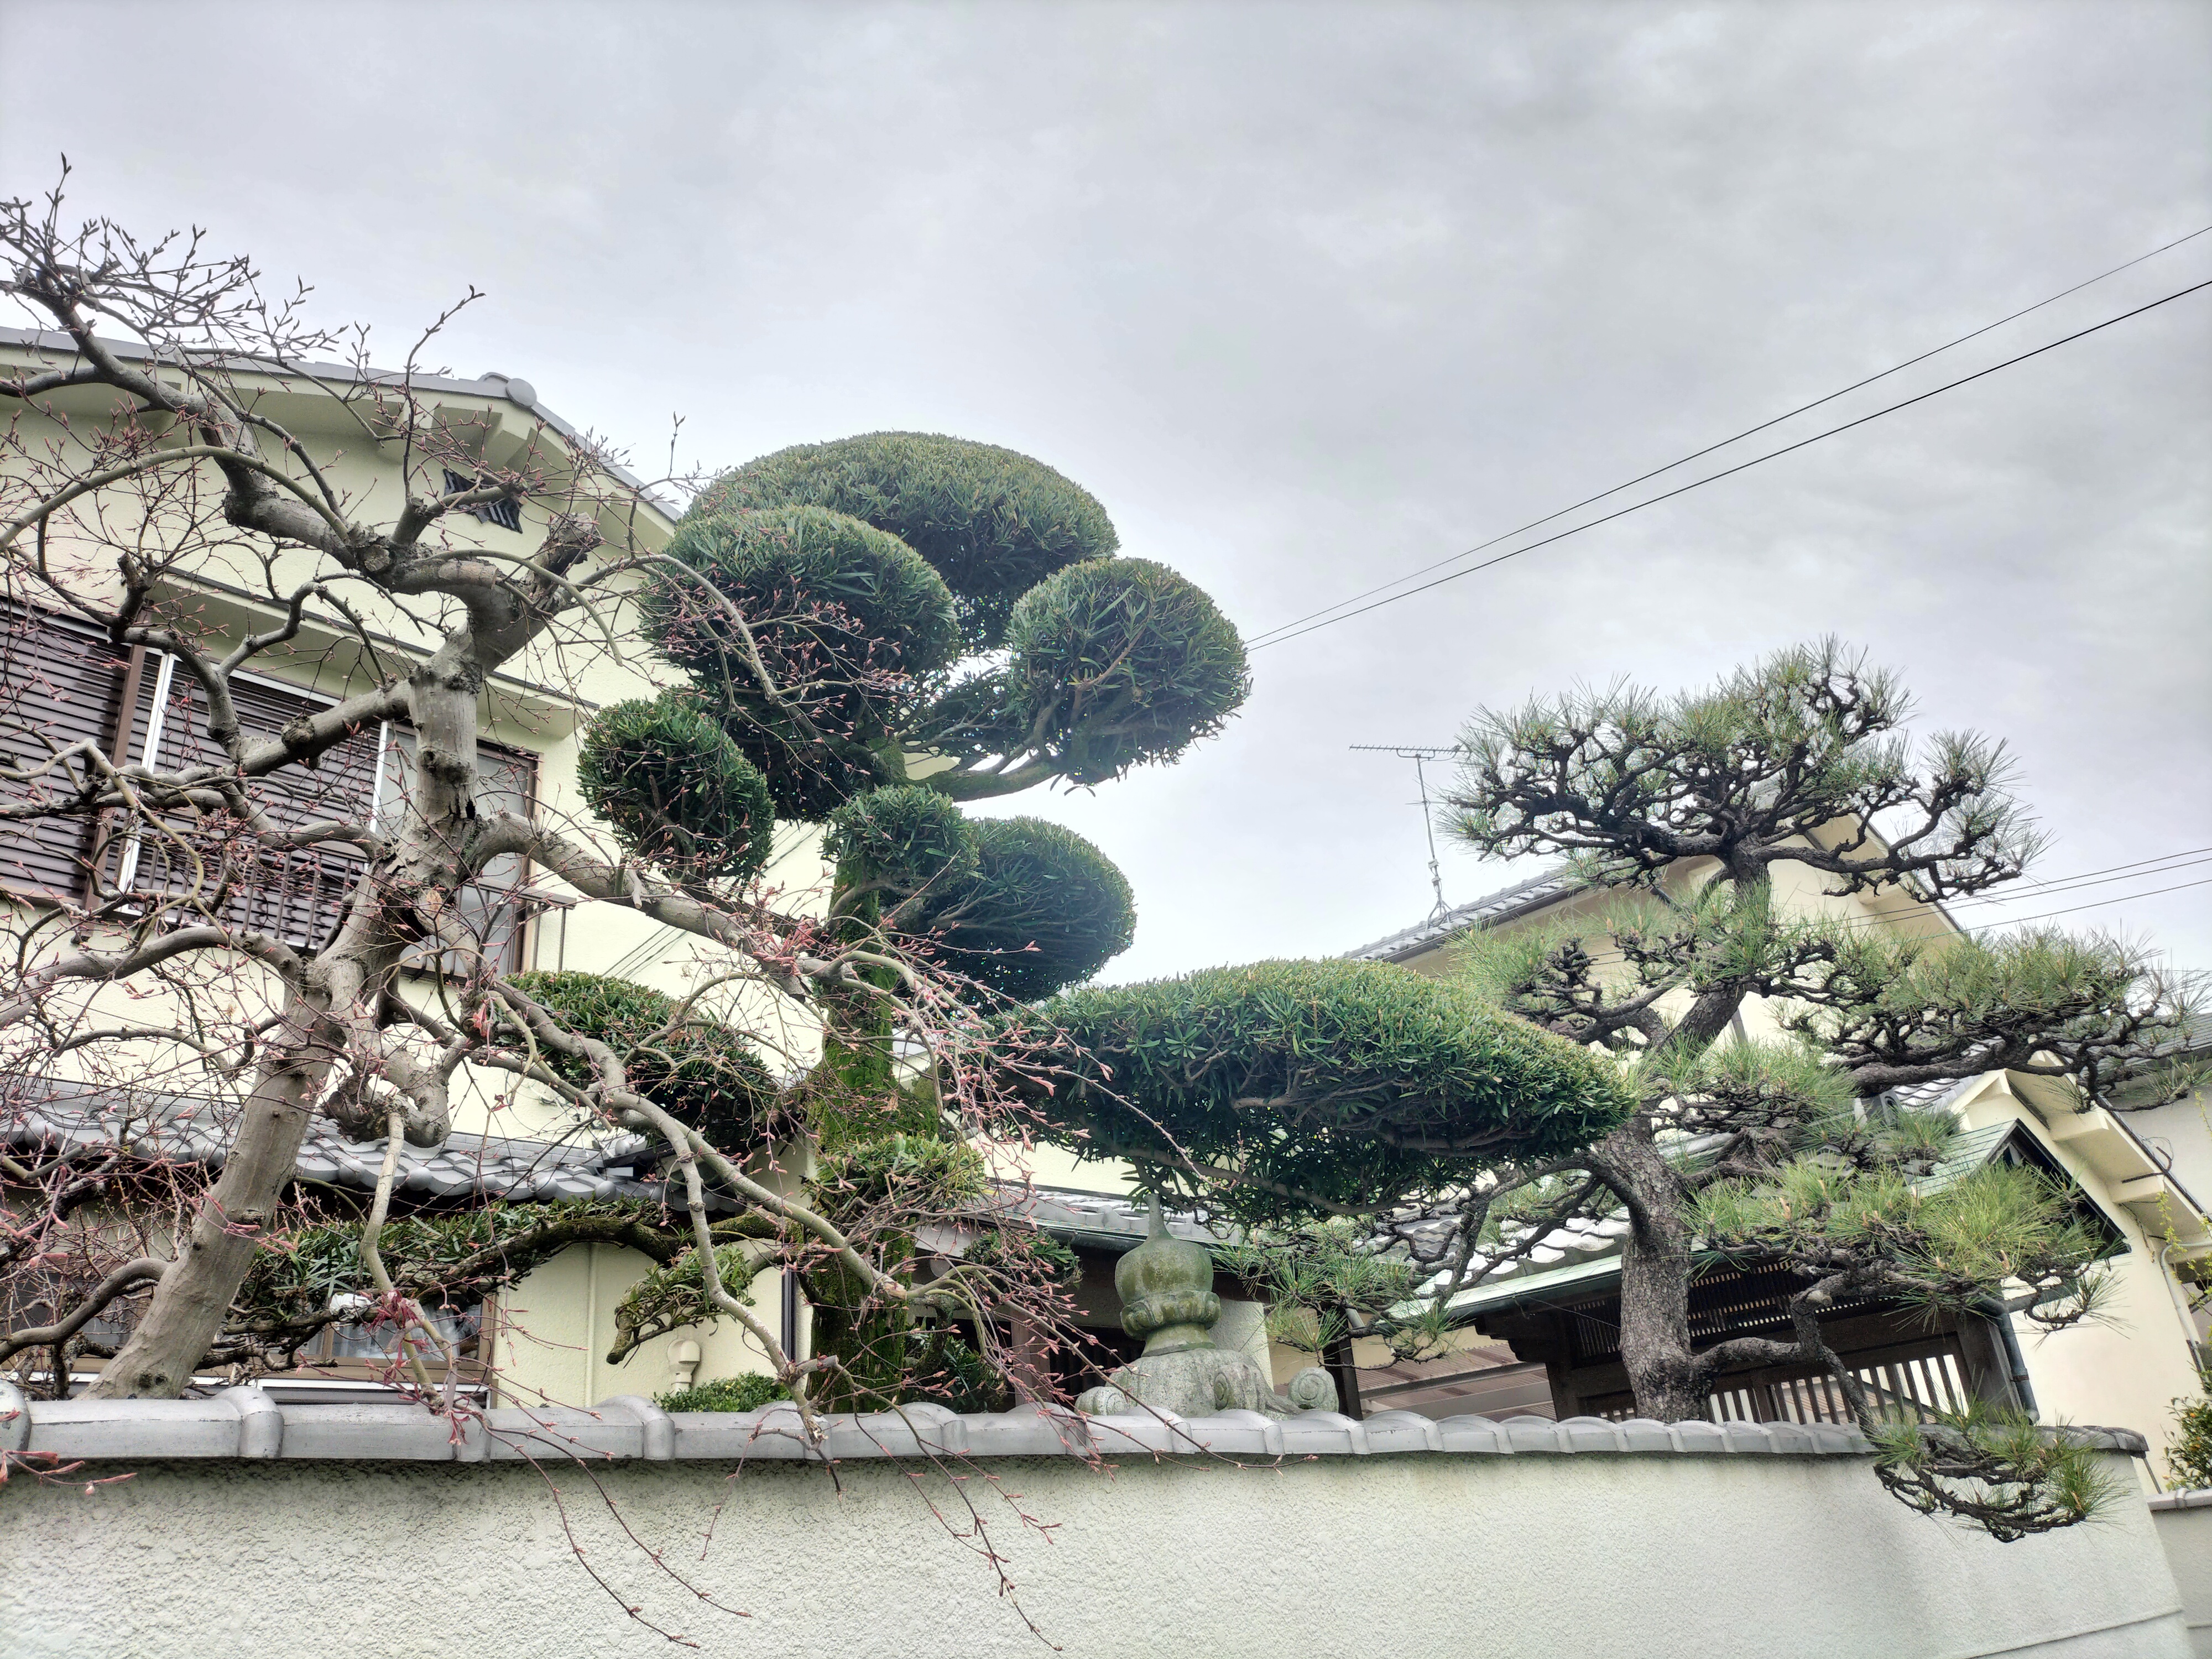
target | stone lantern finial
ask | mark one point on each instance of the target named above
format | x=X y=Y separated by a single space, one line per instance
x=1166 y=1286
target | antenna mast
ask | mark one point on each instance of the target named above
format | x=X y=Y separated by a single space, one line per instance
x=1420 y=753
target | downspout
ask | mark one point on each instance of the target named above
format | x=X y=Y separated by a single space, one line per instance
x=2180 y=1307
x=2015 y=1362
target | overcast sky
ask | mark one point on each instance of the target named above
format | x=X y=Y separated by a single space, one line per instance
x=1312 y=295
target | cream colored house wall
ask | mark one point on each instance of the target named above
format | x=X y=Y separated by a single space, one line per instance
x=553 y=1330
x=2127 y=1370
x=555 y=1326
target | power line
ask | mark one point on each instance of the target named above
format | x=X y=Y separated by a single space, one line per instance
x=1605 y=958
x=1747 y=432
x=1292 y=631
x=2179 y=862
x=2099 y=904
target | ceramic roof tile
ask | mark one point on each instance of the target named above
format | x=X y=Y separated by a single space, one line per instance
x=1533 y=893
x=189 y=1128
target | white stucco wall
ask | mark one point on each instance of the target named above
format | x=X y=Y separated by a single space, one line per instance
x=2184 y=1520
x=1648 y=1555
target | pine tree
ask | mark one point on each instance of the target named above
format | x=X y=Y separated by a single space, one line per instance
x=1677 y=812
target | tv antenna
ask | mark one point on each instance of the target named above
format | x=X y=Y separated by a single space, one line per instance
x=1420 y=753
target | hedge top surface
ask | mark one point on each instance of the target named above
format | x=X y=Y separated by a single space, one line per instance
x=1317 y=1086
x=1123 y=661
x=1043 y=908
x=993 y=522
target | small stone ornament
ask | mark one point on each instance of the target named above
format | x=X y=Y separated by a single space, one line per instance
x=1166 y=1286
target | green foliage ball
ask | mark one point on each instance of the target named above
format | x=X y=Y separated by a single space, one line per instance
x=1044 y=909
x=846 y=619
x=906 y=838
x=992 y=522
x=706 y=1075
x=1347 y=1084
x=816 y=586
x=675 y=789
x=1123 y=661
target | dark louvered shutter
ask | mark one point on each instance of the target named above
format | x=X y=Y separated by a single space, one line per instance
x=295 y=896
x=61 y=683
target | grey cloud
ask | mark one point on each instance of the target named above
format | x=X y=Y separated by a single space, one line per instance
x=1311 y=295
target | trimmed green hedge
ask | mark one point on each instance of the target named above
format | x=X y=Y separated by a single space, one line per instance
x=1322 y=1084
x=1044 y=909
x=747 y=1392
x=850 y=622
x=907 y=837
x=1123 y=661
x=675 y=789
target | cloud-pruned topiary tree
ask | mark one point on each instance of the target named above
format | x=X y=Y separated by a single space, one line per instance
x=872 y=632
x=1788 y=1150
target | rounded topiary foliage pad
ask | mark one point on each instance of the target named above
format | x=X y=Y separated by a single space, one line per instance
x=823 y=595
x=675 y=789
x=1043 y=909
x=1323 y=1083
x=901 y=840
x=993 y=522
x=844 y=618
x=705 y=1075
x=1124 y=661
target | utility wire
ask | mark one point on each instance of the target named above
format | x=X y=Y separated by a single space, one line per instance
x=2179 y=862
x=1606 y=958
x=2119 y=898
x=1747 y=432
x=1292 y=631
x=1587 y=500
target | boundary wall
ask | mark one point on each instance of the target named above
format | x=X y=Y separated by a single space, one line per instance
x=249 y=1526
x=2184 y=1521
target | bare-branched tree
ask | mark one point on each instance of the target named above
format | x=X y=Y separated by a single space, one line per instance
x=203 y=497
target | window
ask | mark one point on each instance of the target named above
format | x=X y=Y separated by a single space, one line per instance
x=508 y=516
x=61 y=682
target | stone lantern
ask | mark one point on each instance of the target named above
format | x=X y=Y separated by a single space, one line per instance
x=1166 y=1286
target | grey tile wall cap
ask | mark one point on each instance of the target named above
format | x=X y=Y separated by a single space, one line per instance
x=246 y=1422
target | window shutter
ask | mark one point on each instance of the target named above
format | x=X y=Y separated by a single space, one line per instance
x=61 y=682
x=297 y=895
